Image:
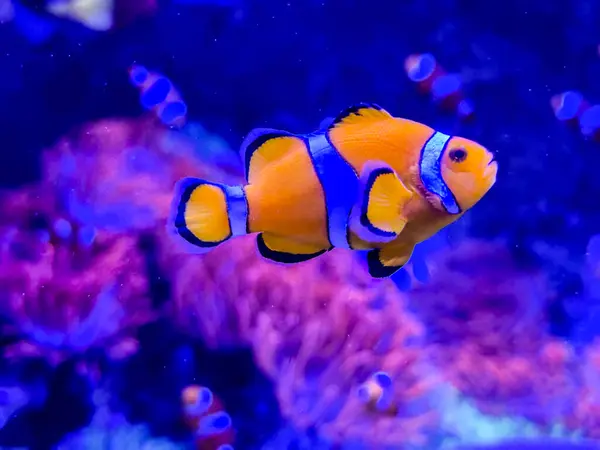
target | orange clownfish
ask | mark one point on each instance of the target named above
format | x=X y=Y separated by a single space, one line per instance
x=368 y=181
x=377 y=394
x=157 y=94
x=205 y=415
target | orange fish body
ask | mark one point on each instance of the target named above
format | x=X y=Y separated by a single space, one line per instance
x=369 y=181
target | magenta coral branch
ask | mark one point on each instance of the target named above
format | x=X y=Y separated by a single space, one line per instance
x=318 y=329
x=119 y=174
x=486 y=322
x=61 y=294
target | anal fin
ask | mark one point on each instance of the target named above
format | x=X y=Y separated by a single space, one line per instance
x=378 y=215
x=264 y=146
x=384 y=262
x=285 y=250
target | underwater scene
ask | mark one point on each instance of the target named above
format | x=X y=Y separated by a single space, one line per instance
x=299 y=224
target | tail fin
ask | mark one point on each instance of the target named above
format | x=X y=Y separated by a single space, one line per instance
x=205 y=214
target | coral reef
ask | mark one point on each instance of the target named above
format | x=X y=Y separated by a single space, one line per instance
x=119 y=175
x=83 y=250
x=65 y=288
x=318 y=329
x=485 y=318
x=467 y=345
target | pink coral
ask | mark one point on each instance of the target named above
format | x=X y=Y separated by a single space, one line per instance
x=319 y=329
x=73 y=272
x=586 y=414
x=478 y=292
x=119 y=174
x=63 y=294
x=486 y=319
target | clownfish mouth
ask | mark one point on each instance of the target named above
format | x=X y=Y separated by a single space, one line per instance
x=491 y=169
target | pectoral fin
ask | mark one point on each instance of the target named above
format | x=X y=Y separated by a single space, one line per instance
x=378 y=215
x=386 y=261
x=286 y=251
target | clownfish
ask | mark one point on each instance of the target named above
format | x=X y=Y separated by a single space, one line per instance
x=157 y=94
x=377 y=394
x=368 y=181
x=205 y=415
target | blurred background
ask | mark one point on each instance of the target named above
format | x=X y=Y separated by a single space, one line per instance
x=110 y=339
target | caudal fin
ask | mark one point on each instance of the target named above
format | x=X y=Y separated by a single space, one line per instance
x=205 y=214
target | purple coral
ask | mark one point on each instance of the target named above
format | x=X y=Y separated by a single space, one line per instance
x=64 y=289
x=119 y=174
x=486 y=321
x=319 y=330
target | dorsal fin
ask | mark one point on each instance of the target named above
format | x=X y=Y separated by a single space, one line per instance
x=359 y=113
x=265 y=145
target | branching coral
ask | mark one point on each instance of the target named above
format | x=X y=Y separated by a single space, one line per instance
x=318 y=329
x=67 y=246
x=76 y=267
x=119 y=174
x=485 y=317
x=64 y=288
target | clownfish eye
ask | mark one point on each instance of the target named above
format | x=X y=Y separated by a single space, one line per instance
x=458 y=155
